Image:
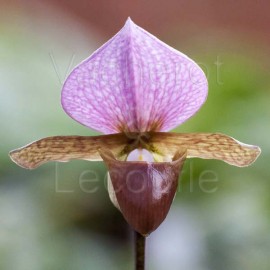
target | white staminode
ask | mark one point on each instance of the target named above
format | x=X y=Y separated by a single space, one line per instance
x=140 y=155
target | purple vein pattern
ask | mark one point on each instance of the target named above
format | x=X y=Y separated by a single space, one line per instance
x=134 y=83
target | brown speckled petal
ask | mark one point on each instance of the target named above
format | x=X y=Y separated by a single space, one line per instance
x=144 y=190
x=207 y=146
x=65 y=148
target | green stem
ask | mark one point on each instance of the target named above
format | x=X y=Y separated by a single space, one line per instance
x=139 y=251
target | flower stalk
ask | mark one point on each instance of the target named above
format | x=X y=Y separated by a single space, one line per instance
x=139 y=251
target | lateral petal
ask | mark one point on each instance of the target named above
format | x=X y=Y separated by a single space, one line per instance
x=65 y=148
x=206 y=146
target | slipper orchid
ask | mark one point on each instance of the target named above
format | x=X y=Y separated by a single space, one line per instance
x=134 y=89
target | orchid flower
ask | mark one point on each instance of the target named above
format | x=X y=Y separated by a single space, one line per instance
x=134 y=89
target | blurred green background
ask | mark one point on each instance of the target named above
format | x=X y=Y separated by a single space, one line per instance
x=52 y=218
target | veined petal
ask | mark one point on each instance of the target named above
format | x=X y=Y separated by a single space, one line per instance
x=65 y=148
x=134 y=83
x=143 y=191
x=206 y=146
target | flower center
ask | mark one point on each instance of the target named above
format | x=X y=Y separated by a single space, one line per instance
x=140 y=155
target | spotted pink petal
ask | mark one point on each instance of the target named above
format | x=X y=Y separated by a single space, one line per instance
x=134 y=82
